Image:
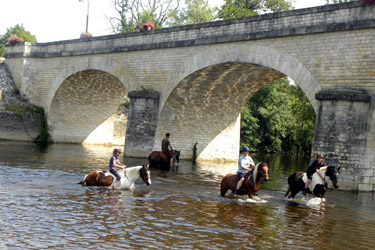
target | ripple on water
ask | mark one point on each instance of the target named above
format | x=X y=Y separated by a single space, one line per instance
x=43 y=207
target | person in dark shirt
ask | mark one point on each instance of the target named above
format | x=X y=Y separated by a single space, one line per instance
x=314 y=167
x=165 y=145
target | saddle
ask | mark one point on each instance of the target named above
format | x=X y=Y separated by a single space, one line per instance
x=243 y=184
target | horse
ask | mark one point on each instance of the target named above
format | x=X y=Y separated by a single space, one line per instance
x=317 y=186
x=251 y=184
x=161 y=159
x=128 y=177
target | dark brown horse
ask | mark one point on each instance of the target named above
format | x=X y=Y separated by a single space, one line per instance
x=250 y=186
x=128 y=177
x=161 y=159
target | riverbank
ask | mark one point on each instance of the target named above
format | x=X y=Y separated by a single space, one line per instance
x=18 y=121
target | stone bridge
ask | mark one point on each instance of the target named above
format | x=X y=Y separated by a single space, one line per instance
x=193 y=81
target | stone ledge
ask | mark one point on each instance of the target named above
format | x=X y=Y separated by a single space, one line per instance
x=263 y=17
x=351 y=95
x=147 y=94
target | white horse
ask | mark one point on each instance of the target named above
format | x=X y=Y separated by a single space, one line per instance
x=128 y=177
x=317 y=186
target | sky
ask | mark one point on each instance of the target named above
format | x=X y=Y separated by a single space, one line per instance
x=57 y=20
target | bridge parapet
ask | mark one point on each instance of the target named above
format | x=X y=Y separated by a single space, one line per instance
x=329 y=18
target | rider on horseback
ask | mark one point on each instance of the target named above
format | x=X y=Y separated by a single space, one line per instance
x=244 y=165
x=165 y=145
x=114 y=164
x=314 y=167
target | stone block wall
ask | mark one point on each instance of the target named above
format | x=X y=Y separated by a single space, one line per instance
x=142 y=123
x=19 y=127
x=342 y=129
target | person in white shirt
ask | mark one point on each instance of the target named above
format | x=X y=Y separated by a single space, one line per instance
x=245 y=164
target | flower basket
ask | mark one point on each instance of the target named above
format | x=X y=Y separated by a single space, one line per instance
x=147 y=26
x=85 y=35
x=368 y=1
x=13 y=40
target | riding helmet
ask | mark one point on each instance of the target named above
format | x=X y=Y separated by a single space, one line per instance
x=319 y=156
x=118 y=150
x=245 y=148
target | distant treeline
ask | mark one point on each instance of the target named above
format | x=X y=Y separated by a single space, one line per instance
x=279 y=119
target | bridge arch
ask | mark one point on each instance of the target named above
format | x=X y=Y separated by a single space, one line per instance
x=88 y=63
x=252 y=54
x=213 y=86
x=83 y=109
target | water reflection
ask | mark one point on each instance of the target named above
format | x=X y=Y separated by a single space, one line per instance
x=43 y=207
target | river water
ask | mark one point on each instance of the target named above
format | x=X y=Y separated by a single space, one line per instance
x=42 y=206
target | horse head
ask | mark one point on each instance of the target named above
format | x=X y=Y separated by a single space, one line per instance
x=144 y=173
x=260 y=169
x=263 y=170
x=333 y=173
x=177 y=155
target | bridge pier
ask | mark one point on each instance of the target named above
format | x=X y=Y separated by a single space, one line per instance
x=142 y=122
x=342 y=134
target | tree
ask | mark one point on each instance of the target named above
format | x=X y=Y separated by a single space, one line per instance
x=18 y=31
x=243 y=8
x=134 y=12
x=278 y=118
x=196 y=11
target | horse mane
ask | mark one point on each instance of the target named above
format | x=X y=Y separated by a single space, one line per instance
x=255 y=170
x=323 y=168
x=133 y=170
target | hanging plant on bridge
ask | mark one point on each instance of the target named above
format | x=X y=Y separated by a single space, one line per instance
x=146 y=26
x=15 y=39
x=85 y=35
x=368 y=1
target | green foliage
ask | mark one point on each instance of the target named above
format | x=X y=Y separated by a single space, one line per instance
x=196 y=11
x=125 y=102
x=44 y=136
x=278 y=118
x=131 y=14
x=18 y=31
x=243 y=8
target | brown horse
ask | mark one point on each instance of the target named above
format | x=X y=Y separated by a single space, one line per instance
x=128 y=177
x=250 y=186
x=161 y=159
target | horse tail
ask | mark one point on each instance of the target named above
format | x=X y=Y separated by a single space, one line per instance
x=83 y=181
x=287 y=192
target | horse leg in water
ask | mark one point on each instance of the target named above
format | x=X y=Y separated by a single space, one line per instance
x=228 y=182
x=296 y=184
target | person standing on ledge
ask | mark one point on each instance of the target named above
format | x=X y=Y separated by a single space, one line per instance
x=165 y=146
